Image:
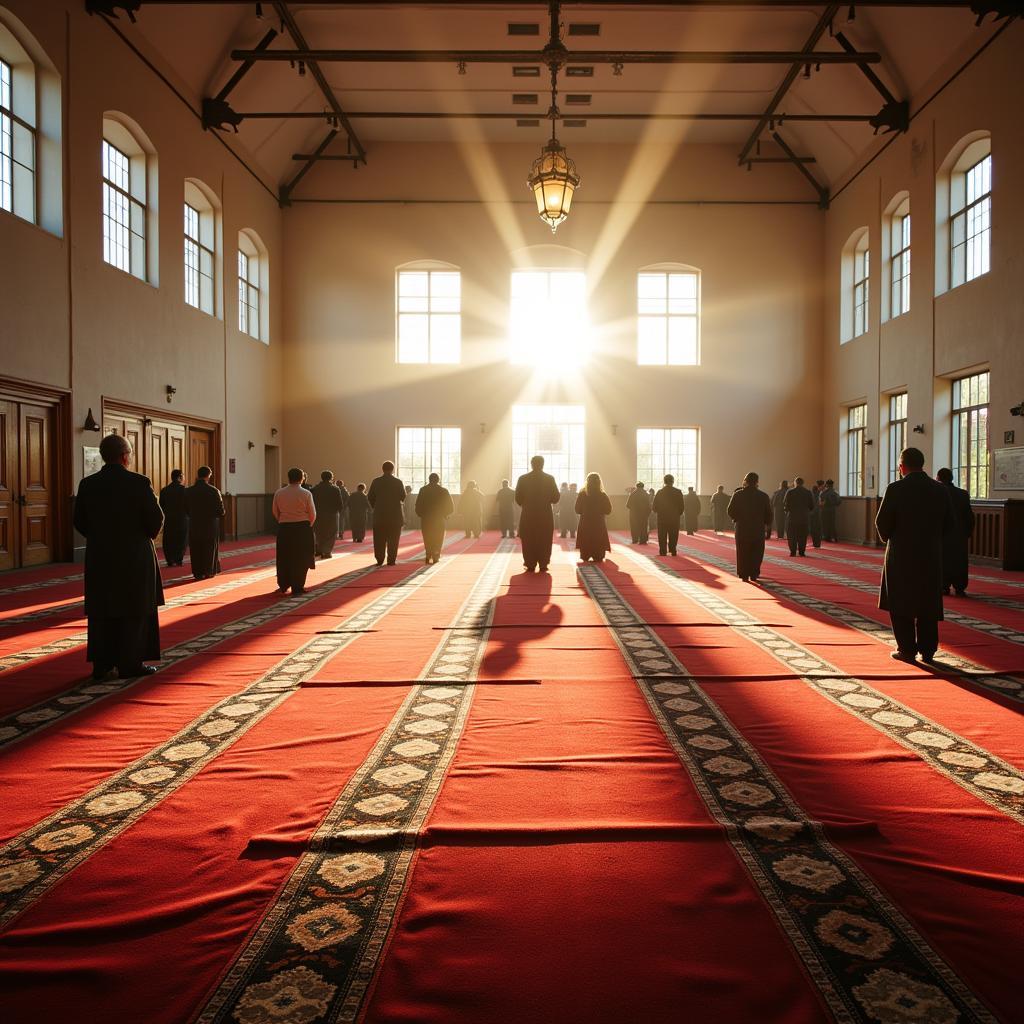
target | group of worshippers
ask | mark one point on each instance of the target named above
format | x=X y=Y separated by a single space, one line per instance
x=819 y=524
x=666 y=506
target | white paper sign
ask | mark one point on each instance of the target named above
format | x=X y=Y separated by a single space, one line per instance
x=1008 y=469
x=91 y=461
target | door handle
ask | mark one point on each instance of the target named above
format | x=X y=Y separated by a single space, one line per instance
x=21 y=500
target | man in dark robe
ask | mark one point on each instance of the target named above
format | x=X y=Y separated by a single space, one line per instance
x=957 y=542
x=814 y=524
x=751 y=510
x=358 y=510
x=505 y=499
x=205 y=508
x=118 y=514
x=574 y=516
x=638 y=504
x=471 y=505
x=536 y=494
x=915 y=515
x=563 y=510
x=830 y=501
x=797 y=505
x=433 y=506
x=386 y=496
x=719 y=506
x=327 y=500
x=172 y=504
x=668 y=506
x=691 y=510
x=779 y=510
x=409 y=518
x=343 y=514
x=295 y=511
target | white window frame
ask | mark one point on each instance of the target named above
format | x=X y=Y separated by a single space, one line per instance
x=675 y=450
x=861 y=298
x=427 y=303
x=128 y=181
x=200 y=257
x=970 y=433
x=970 y=215
x=899 y=277
x=530 y=421
x=253 y=286
x=897 y=432
x=856 y=423
x=421 y=451
x=18 y=180
x=668 y=305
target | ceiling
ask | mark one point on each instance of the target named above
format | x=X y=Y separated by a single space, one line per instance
x=917 y=47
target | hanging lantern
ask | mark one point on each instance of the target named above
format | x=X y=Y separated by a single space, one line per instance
x=554 y=181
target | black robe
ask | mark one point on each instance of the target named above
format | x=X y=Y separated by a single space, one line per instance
x=639 y=505
x=205 y=511
x=358 y=510
x=751 y=510
x=719 y=513
x=779 y=511
x=386 y=497
x=957 y=541
x=119 y=516
x=566 y=512
x=536 y=493
x=471 y=505
x=328 y=503
x=691 y=510
x=172 y=504
x=433 y=505
x=592 y=536
x=505 y=499
x=343 y=516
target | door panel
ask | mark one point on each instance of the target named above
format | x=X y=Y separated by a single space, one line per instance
x=36 y=526
x=200 y=452
x=131 y=428
x=176 y=448
x=10 y=514
x=157 y=468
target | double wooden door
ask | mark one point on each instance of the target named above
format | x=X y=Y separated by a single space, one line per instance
x=26 y=484
x=161 y=446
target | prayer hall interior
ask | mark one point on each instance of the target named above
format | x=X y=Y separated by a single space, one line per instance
x=636 y=239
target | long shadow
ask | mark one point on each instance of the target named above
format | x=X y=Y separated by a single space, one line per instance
x=527 y=600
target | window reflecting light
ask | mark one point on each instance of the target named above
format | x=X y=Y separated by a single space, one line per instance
x=549 y=327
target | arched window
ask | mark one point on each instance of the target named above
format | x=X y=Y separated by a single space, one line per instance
x=253 y=286
x=202 y=226
x=896 y=255
x=668 y=315
x=129 y=179
x=30 y=129
x=428 y=313
x=855 y=277
x=963 y=213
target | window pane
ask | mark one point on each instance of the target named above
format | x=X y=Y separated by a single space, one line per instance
x=413 y=337
x=444 y=339
x=652 y=339
x=682 y=341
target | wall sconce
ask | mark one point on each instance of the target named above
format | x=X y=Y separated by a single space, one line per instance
x=273 y=431
x=171 y=392
x=868 y=442
x=251 y=445
x=615 y=429
x=90 y=422
x=919 y=429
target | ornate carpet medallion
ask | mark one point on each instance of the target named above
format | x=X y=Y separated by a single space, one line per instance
x=314 y=955
x=982 y=774
x=867 y=961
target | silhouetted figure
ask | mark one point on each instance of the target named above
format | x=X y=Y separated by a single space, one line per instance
x=751 y=510
x=118 y=514
x=172 y=504
x=505 y=499
x=691 y=510
x=536 y=494
x=779 y=509
x=564 y=500
x=914 y=518
x=957 y=540
x=328 y=502
x=668 y=507
x=798 y=506
x=358 y=510
x=638 y=504
x=433 y=506
x=409 y=518
x=719 y=510
x=386 y=496
x=343 y=514
x=295 y=512
x=574 y=519
x=814 y=524
x=830 y=501
x=593 y=507
x=205 y=508
x=471 y=505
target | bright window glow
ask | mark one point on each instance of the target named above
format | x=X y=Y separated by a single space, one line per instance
x=248 y=294
x=429 y=316
x=972 y=223
x=124 y=217
x=857 y=418
x=861 y=274
x=970 y=433
x=554 y=431
x=199 y=258
x=426 y=450
x=17 y=152
x=667 y=319
x=661 y=450
x=897 y=432
x=549 y=327
x=900 y=299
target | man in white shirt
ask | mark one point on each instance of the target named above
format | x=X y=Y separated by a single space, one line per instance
x=295 y=514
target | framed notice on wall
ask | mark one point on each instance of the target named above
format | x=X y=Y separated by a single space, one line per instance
x=91 y=461
x=1008 y=469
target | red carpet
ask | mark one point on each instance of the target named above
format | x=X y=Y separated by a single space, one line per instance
x=466 y=793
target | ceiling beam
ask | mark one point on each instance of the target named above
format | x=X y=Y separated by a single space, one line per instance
x=435 y=115
x=102 y=6
x=800 y=165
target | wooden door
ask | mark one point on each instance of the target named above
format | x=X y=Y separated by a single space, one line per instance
x=36 y=485
x=10 y=514
x=200 y=453
x=176 y=448
x=158 y=456
x=131 y=428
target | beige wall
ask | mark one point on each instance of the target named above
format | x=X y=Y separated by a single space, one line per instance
x=977 y=325
x=72 y=321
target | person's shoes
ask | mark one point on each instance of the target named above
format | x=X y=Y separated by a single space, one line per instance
x=803 y=554
x=391 y=561
x=928 y=659
x=961 y=593
x=101 y=675
x=746 y=579
x=661 y=551
x=543 y=568
x=298 y=591
x=792 y=554
x=673 y=552
x=902 y=656
x=380 y=563
x=281 y=590
x=945 y=590
x=136 y=670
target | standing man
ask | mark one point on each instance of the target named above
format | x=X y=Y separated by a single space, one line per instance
x=409 y=511
x=814 y=524
x=433 y=506
x=358 y=510
x=574 y=516
x=205 y=508
x=343 y=514
x=668 y=507
x=172 y=504
x=719 y=507
x=751 y=510
x=779 y=510
x=830 y=501
x=691 y=510
x=954 y=550
x=386 y=496
x=471 y=505
x=915 y=515
x=117 y=513
x=563 y=511
x=639 y=506
x=797 y=506
x=505 y=499
x=295 y=512
x=327 y=500
x=536 y=494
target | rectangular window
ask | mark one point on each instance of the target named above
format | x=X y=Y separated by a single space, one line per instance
x=861 y=271
x=897 y=432
x=429 y=316
x=124 y=217
x=970 y=433
x=972 y=225
x=857 y=417
x=661 y=450
x=426 y=450
x=668 y=319
x=548 y=326
x=900 y=265
x=198 y=263
x=554 y=431
x=248 y=295
x=17 y=154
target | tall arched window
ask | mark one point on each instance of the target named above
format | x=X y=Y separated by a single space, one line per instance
x=855 y=285
x=253 y=286
x=30 y=129
x=129 y=180
x=202 y=226
x=668 y=315
x=896 y=256
x=963 y=214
